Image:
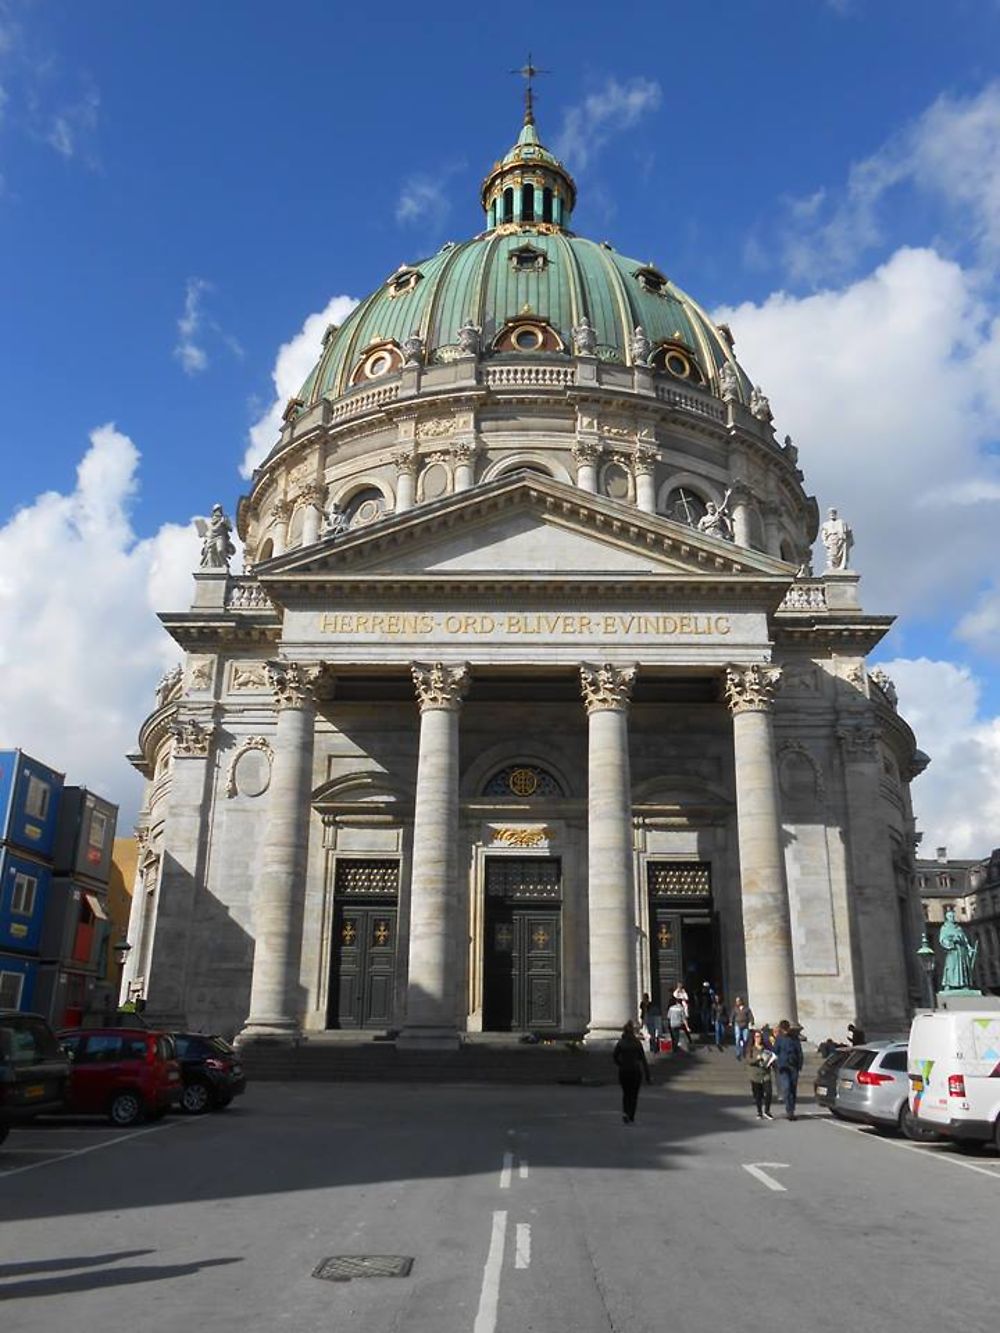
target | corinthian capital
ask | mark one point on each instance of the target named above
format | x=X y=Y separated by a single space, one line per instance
x=405 y=461
x=644 y=458
x=858 y=739
x=751 y=688
x=605 y=687
x=440 y=686
x=294 y=683
x=586 y=451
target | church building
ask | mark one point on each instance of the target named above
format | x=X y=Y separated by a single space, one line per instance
x=527 y=701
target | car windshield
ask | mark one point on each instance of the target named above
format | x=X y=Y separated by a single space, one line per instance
x=26 y=1041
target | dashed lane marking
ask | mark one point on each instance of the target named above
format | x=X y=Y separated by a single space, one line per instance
x=489 y=1296
x=756 y=1169
x=505 y=1170
x=522 y=1169
x=522 y=1245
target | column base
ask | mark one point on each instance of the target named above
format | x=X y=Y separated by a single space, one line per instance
x=601 y=1036
x=277 y=1033
x=428 y=1039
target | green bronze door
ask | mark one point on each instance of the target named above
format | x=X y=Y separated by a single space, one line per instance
x=522 y=977
x=363 y=947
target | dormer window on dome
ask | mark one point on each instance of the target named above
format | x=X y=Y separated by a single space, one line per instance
x=528 y=333
x=526 y=259
x=651 y=280
x=379 y=359
x=678 y=360
x=403 y=280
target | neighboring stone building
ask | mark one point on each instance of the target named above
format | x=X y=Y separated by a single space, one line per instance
x=490 y=733
x=973 y=888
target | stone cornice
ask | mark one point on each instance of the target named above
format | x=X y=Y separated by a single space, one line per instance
x=830 y=630
x=203 y=630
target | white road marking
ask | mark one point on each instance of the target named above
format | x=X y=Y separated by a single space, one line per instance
x=37 y=1152
x=522 y=1170
x=489 y=1296
x=522 y=1245
x=94 y=1147
x=505 y=1170
x=755 y=1169
x=925 y=1150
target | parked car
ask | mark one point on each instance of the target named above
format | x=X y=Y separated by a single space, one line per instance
x=954 y=1066
x=33 y=1070
x=825 y=1085
x=211 y=1072
x=124 y=1073
x=873 y=1087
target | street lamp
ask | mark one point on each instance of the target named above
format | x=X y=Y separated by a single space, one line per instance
x=926 y=955
x=122 y=950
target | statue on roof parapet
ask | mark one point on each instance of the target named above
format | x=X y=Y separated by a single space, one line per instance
x=584 y=338
x=216 y=533
x=837 y=539
x=760 y=405
x=469 y=338
x=641 y=346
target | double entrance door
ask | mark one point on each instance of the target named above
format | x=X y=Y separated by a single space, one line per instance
x=522 y=973
x=683 y=934
x=363 y=947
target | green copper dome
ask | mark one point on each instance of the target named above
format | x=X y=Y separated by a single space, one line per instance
x=525 y=269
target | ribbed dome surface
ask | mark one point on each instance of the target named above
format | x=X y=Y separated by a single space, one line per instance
x=479 y=281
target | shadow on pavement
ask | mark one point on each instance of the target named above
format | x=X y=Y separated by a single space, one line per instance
x=107 y=1277
x=54 y=1265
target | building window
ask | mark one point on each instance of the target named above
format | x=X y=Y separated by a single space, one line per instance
x=36 y=803
x=11 y=986
x=523 y=781
x=98 y=833
x=650 y=279
x=25 y=892
x=684 y=506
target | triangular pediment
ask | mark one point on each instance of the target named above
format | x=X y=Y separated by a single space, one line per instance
x=524 y=526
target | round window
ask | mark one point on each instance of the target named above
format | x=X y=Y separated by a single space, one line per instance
x=616 y=482
x=378 y=364
x=678 y=364
x=527 y=339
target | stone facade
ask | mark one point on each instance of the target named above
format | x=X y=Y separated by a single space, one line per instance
x=547 y=711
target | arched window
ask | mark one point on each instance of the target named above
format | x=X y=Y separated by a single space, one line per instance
x=508 y=204
x=788 y=551
x=547 y=204
x=684 y=505
x=266 y=551
x=364 y=506
x=528 y=203
x=525 y=466
x=523 y=781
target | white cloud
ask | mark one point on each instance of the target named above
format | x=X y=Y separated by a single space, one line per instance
x=881 y=384
x=615 y=107
x=950 y=154
x=193 y=325
x=80 y=646
x=422 y=202
x=957 y=799
x=292 y=365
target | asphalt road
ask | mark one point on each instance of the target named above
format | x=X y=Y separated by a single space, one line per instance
x=522 y=1209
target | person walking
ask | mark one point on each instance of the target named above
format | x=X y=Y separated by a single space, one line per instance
x=719 y=1022
x=759 y=1062
x=742 y=1017
x=678 y=1024
x=653 y=1022
x=788 y=1054
x=630 y=1058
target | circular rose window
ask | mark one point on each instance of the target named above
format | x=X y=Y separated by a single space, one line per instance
x=527 y=339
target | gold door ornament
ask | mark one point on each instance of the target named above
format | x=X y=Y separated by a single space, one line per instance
x=523 y=782
x=349 y=932
x=540 y=937
x=381 y=932
x=664 y=936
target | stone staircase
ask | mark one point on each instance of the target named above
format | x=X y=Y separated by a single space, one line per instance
x=329 y=1057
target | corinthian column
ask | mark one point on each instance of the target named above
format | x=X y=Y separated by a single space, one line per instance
x=613 y=996
x=435 y=903
x=274 y=1008
x=643 y=462
x=406 y=473
x=766 y=923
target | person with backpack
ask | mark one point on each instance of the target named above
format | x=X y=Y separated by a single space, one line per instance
x=788 y=1055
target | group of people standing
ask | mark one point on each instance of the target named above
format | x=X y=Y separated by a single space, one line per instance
x=766 y=1052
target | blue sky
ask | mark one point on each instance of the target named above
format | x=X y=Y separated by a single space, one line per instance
x=182 y=186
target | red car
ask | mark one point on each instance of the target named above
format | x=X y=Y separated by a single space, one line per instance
x=123 y=1073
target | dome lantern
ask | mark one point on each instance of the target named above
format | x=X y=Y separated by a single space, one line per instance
x=529 y=187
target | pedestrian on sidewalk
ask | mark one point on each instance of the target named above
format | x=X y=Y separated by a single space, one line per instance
x=742 y=1023
x=760 y=1061
x=788 y=1053
x=631 y=1061
x=680 y=1033
x=719 y=1021
x=653 y=1022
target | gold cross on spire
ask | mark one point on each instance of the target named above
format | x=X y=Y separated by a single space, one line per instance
x=528 y=72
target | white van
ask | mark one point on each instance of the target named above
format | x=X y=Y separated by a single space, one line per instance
x=954 y=1069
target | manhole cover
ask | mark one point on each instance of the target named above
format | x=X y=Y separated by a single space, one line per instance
x=344 y=1267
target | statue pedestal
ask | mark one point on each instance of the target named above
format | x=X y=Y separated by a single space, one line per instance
x=966 y=999
x=842 y=589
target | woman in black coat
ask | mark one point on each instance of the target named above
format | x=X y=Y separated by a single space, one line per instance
x=631 y=1061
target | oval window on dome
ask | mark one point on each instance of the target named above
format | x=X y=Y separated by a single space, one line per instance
x=527 y=339
x=528 y=335
x=616 y=482
x=679 y=362
x=684 y=505
x=377 y=362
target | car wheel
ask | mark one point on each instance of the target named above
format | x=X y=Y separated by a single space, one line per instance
x=196 y=1098
x=125 y=1108
x=911 y=1128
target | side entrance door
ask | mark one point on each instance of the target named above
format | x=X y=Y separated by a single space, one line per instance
x=522 y=978
x=363 y=947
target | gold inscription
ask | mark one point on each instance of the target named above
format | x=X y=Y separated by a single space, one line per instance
x=547 y=624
